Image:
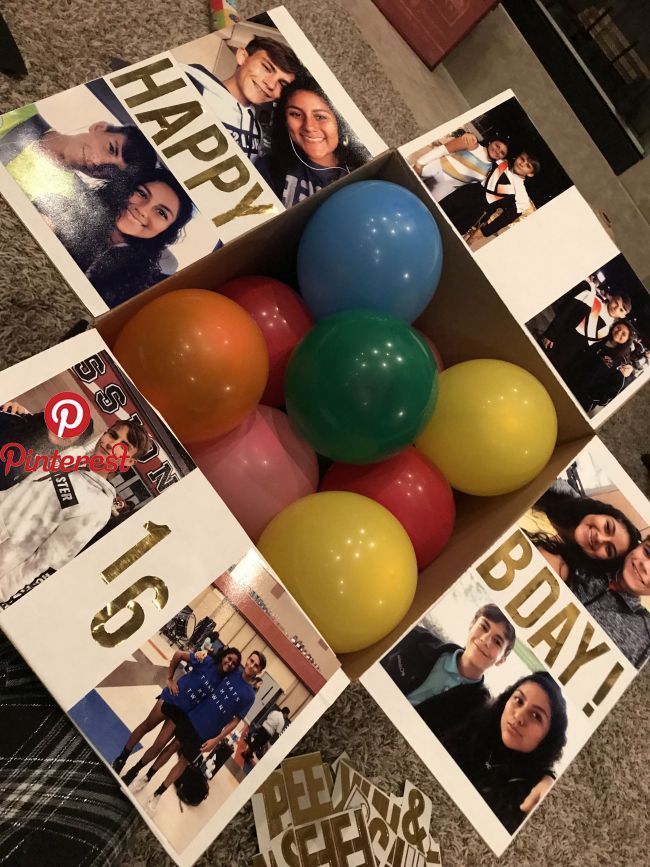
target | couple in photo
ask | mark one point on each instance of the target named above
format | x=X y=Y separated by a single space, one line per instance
x=480 y=185
x=195 y=714
x=506 y=745
x=593 y=344
x=308 y=145
x=595 y=548
x=102 y=193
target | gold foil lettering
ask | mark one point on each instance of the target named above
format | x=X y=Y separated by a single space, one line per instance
x=544 y=576
x=125 y=602
x=214 y=175
x=245 y=208
x=188 y=112
x=144 y=74
x=155 y=533
x=191 y=144
x=584 y=654
x=565 y=619
x=504 y=556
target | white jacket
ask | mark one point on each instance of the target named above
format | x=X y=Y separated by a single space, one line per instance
x=45 y=521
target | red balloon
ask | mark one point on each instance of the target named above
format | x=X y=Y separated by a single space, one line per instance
x=434 y=350
x=412 y=489
x=283 y=319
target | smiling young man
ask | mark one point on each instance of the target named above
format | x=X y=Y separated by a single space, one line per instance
x=615 y=602
x=264 y=68
x=46 y=163
x=48 y=518
x=444 y=681
x=207 y=724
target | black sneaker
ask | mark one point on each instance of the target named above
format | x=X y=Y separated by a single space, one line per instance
x=130 y=776
x=119 y=763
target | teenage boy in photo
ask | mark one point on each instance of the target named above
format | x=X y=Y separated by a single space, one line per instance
x=206 y=725
x=616 y=603
x=264 y=67
x=48 y=518
x=45 y=162
x=444 y=682
x=580 y=321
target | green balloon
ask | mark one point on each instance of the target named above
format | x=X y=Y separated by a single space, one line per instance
x=360 y=386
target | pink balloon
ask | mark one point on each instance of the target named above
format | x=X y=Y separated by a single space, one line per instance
x=259 y=468
x=434 y=350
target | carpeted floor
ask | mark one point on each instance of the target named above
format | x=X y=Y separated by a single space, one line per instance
x=598 y=814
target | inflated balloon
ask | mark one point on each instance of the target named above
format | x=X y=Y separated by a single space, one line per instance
x=347 y=562
x=259 y=468
x=412 y=490
x=283 y=320
x=434 y=350
x=360 y=386
x=371 y=245
x=199 y=358
x=494 y=427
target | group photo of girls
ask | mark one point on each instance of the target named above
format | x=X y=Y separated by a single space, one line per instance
x=488 y=700
x=103 y=191
x=597 y=335
x=48 y=518
x=489 y=173
x=278 y=113
x=189 y=714
x=598 y=543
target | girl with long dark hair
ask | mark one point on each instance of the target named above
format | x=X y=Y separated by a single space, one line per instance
x=182 y=695
x=588 y=534
x=506 y=748
x=118 y=233
x=600 y=371
x=311 y=145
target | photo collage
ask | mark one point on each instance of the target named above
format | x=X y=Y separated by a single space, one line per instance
x=128 y=179
x=195 y=671
x=494 y=177
x=505 y=678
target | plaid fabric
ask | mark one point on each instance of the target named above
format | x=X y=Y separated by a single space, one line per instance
x=60 y=806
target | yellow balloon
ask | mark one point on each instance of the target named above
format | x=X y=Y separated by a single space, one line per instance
x=493 y=429
x=348 y=563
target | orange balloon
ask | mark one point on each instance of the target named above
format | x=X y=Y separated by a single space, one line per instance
x=199 y=358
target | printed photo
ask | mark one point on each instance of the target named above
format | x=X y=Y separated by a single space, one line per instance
x=598 y=543
x=192 y=711
x=79 y=454
x=488 y=700
x=490 y=173
x=283 y=119
x=103 y=190
x=597 y=335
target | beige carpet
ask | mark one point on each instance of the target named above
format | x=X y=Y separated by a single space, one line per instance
x=598 y=815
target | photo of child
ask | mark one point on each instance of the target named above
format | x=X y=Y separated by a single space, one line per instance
x=48 y=517
x=489 y=174
x=597 y=335
x=183 y=718
x=487 y=700
x=598 y=543
x=283 y=119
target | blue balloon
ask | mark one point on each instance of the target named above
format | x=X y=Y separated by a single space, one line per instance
x=372 y=245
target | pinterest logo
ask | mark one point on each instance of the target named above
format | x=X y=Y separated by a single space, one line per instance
x=67 y=414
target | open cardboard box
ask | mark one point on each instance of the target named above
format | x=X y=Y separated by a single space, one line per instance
x=466 y=319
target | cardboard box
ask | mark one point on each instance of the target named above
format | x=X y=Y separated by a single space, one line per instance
x=466 y=319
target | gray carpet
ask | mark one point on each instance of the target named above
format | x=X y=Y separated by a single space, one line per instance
x=598 y=814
